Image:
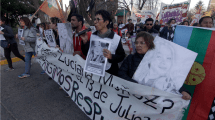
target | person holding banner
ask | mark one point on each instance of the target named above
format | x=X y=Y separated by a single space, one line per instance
x=7 y=32
x=206 y=21
x=116 y=54
x=143 y=43
x=29 y=37
x=185 y=23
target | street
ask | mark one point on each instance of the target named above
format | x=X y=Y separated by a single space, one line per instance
x=35 y=97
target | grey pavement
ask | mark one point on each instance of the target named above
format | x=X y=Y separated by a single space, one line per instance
x=34 y=98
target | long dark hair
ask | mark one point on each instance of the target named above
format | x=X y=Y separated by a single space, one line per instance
x=27 y=22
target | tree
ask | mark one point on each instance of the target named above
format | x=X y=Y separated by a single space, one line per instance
x=151 y=4
x=199 y=4
x=18 y=8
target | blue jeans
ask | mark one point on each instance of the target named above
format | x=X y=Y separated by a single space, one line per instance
x=28 y=56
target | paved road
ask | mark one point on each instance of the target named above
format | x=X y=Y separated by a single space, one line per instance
x=34 y=98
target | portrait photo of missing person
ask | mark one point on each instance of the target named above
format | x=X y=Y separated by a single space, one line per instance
x=50 y=38
x=96 y=53
x=66 y=43
x=165 y=67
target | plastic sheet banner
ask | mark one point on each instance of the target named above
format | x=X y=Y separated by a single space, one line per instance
x=177 y=11
x=108 y=97
x=143 y=14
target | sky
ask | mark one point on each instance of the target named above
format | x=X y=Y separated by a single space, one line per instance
x=193 y=2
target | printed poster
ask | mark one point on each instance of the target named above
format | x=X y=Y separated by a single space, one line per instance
x=20 y=34
x=96 y=61
x=50 y=37
x=66 y=37
x=166 y=67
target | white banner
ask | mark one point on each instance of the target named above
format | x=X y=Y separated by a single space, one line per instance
x=143 y=14
x=108 y=97
x=177 y=11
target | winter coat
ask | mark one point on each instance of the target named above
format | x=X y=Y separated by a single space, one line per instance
x=8 y=34
x=30 y=39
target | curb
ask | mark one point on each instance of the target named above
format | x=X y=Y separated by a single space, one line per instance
x=16 y=59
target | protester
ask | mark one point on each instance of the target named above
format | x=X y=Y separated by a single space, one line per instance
x=196 y=24
x=138 y=23
x=77 y=23
x=167 y=31
x=116 y=29
x=53 y=26
x=206 y=21
x=149 y=27
x=185 y=23
x=157 y=26
x=129 y=26
x=7 y=32
x=29 y=37
x=120 y=24
x=116 y=54
x=143 y=43
x=127 y=45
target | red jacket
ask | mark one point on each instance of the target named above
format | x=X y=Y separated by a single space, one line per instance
x=77 y=42
x=116 y=31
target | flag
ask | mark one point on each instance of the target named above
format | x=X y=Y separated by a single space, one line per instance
x=202 y=41
x=51 y=9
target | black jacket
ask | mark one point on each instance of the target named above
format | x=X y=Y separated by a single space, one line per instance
x=164 y=33
x=129 y=66
x=116 y=58
x=8 y=34
x=150 y=31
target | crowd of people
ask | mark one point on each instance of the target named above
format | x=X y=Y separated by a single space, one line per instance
x=145 y=33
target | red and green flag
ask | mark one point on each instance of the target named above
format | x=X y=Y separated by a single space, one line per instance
x=200 y=82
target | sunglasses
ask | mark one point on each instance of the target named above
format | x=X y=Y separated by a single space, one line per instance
x=149 y=24
x=97 y=19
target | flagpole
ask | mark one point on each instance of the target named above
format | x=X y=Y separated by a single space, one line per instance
x=61 y=13
x=37 y=10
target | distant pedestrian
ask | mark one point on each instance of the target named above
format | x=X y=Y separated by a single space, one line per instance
x=7 y=32
x=129 y=26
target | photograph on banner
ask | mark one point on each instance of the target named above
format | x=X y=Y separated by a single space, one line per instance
x=177 y=11
x=20 y=35
x=96 y=61
x=165 y=67
x=50 y=37
x=66 y=37
x=143 y=14
x=2 y=36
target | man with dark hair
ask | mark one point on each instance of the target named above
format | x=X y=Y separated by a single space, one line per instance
x=129 y=26
x=149 y=27
x=77 y=23
x=116 y=53
x=206 y=21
